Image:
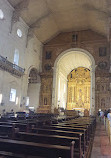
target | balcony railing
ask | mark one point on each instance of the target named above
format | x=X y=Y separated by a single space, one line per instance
x=10 y=67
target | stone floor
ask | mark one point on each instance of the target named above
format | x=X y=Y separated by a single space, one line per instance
x=101 y=146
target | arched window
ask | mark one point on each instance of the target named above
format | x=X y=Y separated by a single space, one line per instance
x=1 y=14
x=19 y=33
x=16 y=57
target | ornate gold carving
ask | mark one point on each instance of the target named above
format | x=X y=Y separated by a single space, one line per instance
x=46 y=90
x=79 y=81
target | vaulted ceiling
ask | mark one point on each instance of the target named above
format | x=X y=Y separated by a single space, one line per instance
x=72 y=60
x=47 y=18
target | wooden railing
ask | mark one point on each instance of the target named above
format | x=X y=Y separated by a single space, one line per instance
x=10 y=67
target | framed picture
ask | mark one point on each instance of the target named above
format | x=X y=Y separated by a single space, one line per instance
x=102 y=51
x=48 y=55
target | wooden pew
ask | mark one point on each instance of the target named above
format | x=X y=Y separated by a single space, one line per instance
x=62 y=133
x=88 y=124
x=36 y=149
x=84 y=139
x=7 y=131
x=52 y=139
x=4 y=154
x=77 y=128
x=80 y=124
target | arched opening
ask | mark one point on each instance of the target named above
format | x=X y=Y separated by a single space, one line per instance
x=33 y=76
x=65 y=63
x=33 y=89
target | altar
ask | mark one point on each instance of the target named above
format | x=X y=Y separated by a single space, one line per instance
x=79 y=83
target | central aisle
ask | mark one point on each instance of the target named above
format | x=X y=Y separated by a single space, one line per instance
x=101 y=146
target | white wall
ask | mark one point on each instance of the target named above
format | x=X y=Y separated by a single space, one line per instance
x=33 y=60
x=33 y=93
x=30 y=51
x=62 y=90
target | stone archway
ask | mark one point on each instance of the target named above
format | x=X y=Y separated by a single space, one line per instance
x=78 y=57
x=33 y=88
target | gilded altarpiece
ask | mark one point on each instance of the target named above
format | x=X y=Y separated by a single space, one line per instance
x=103 y=93
x=46 y=93
x=79 y=83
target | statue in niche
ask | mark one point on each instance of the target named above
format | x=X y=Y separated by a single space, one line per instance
x=80 y=94
x=71 y=75
x=80 y=102
x=102 y=51
x=45 y=101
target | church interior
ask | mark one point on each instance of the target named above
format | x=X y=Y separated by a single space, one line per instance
x=55 y=75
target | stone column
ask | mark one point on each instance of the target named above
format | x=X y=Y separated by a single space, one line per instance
x=109 y=51
x=92 y=97
x=55 y=88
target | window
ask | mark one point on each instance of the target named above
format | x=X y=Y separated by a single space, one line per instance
x=1 y=14
x=16 y=57
x=12 y=95
x=16 y=100
x=19 y=33
x=0 y=98
x=27 y=101
x=59 y=90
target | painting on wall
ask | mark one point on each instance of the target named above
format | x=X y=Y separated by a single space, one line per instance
x=48 y=55
x=102 y=51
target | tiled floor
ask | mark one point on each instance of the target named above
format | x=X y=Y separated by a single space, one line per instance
x=101 y=146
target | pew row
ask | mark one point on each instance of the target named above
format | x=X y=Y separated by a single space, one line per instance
x=36 y=149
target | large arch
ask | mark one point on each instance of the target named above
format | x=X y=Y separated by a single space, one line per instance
x=78 y=57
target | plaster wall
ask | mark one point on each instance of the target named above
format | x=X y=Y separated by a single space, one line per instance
x=62 y=90
x=30 y=49
x=33 y=93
